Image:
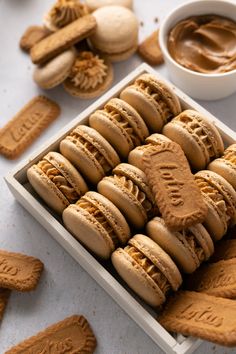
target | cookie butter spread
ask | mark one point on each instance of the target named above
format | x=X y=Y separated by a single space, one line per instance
x=206 y=44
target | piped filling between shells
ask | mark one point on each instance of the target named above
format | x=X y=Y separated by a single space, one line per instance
x=100 y=217
x=230 y=156
x=77 y=139
x=194 y=245
x=137 y=193
x=59 y=180
x=157 y=276
x=124 y=124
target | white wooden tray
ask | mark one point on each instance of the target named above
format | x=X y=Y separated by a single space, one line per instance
x=102 y=273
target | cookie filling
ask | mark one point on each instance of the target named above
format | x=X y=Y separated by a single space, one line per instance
x=132 y=188
x=230 y=156
x=88 y=72
x=100 y=218
x=66 y=11
x=119 y=118
x=59 y=180
x=194 y=245
x=77 y=139
x=157 y=276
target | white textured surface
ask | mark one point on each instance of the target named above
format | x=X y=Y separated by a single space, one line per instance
x=65 y=288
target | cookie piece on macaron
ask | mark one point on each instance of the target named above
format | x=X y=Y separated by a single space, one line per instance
x=226 y=165
x=116 y=34
x=97 y=223
x=147 y=269
x=92 y=155
x=121 y=125
x=128 y=189
x=198 y=137
x=155 y=101
x=188 y=248
x=56 y=181
x=220 y=198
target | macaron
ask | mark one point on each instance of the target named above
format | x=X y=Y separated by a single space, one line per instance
x=198 y=137
x=97 y=223
x=56 y=181
x=116 y=34
x=153 y=99
x=147 y=269
x=128 y=189
x=89 y=152
x=54 y=72
x=136 y=155
x=188 y=248
x=226 y=165
x=121 y=125
x=95 y=4
x=220 y=198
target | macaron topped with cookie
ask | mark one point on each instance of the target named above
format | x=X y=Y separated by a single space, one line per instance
x=147 y=269
x=121 y=125
x=226 y=165
x=155 y=101
x=56 y=181
x=89 y=152
x=197 y=136
x=116 y=34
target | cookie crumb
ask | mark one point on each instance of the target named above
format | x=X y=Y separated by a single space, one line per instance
x=156 y=20
x=141 y=23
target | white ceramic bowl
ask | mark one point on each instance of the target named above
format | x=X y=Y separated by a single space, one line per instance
x=198 y=85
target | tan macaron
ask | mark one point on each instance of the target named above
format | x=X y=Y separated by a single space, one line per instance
x=153 y=99
x=56 y=181
x=129 y=191
x=198 y=137
x=121 y=125
x=188 y=248
x=54 y=72
x=116 y=34
x=220 y=198
x=97 y=223
x=95 y=4
x=136 y=155
x=89 y=152
x=147 y=269
x=226 y=165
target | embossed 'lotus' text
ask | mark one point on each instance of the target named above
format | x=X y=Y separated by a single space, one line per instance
x=218 y=281
x=52 y=347
x=6 y=268
x=171 y=183
x=206 y=316
x=19 y=132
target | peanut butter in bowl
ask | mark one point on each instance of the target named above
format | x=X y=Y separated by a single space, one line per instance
x=205 y=44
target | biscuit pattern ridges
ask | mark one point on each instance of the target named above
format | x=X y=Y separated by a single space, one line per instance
x=135 y=190
x=99 y=216
x=149 y=268
x=77 y=139
x=124 y=124
x=59 y=180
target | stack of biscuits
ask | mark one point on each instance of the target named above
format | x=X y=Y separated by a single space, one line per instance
x=148 y=186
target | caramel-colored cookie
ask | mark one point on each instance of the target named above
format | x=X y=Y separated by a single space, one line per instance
x=31 y=36
x=63 y=39
x=150 y=49
x=72 y=335
x=18 y=271
x=201 y=315
x=218 y=279
x=27 y=125
x=224 y=250
x=4 y=296
x=172 y=182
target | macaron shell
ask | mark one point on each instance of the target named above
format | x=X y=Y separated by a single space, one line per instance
x=136 y=155
x=204 y=240
x=156 y=139
x=121 y=56
x=116 y=31
x=88 y=231
x=137 y=279
x=54 y=72
x=95 y=4
x=46 y=189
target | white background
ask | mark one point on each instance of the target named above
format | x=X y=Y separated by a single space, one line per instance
x=65 y=288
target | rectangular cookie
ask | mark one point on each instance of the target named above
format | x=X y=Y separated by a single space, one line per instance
x=218 y=279
x=201 y=315
x=27 y=125
x=150 y=49
x=176 y=194
x=18 y=271
x=72 y=335
x=4 y=296
x=225 y=249
x=63 y=39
